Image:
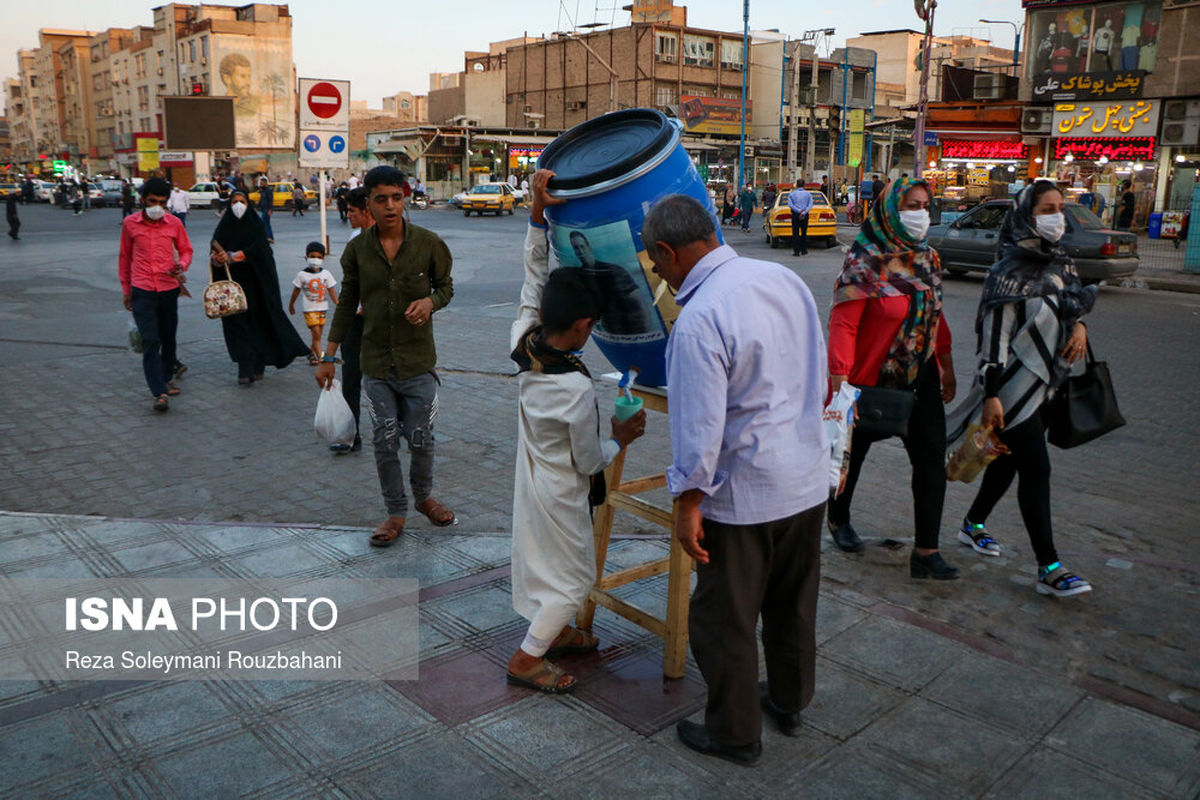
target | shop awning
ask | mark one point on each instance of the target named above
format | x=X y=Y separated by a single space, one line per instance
x=398 y=144
x=693 y=145
x=512 y=139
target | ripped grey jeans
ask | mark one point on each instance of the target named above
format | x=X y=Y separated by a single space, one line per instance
x=403 y=408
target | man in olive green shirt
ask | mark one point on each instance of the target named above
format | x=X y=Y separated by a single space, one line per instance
x=400 y=274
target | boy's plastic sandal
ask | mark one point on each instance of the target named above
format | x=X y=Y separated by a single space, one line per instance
x=437 y=513
x=388 y=532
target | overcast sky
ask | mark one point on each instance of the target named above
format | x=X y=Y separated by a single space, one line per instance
x=384 y=46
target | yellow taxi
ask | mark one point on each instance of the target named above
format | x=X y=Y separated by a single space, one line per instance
x=822 y=220
x=493 y=197
x=283 y=195
x=9 y=188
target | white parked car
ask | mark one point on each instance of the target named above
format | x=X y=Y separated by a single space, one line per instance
x=204 y=195
x=43 y=191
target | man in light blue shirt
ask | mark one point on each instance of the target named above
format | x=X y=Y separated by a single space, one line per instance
x=800 y=202
x=746 y=382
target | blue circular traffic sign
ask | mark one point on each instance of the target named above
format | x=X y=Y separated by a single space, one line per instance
x=336 y=144
x=311 y=143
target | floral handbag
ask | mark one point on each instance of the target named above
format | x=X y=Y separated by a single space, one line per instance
x=223 y=298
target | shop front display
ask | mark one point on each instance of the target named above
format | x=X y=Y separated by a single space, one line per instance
x=1107 y=37
x=971 y=170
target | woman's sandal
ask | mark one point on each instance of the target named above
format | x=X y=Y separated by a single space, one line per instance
x=161 y=403
x=388 y=532
x=437 y=513
x=173 y=390
x=577 y=641
x=543 y=678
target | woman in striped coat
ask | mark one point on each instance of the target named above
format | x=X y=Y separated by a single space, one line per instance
x=1029 y=331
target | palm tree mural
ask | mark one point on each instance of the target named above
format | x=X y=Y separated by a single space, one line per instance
x=274 y=131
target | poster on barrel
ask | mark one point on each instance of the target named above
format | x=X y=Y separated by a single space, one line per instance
x=632 y=293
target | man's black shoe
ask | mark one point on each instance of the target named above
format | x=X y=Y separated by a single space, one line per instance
x=340 y=448
x=788 y=721
x=846 y=538
x=695 y=736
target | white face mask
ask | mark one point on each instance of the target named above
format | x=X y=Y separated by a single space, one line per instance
x=238 y=209
x=155 y=212
x=316 y=263
x=916 y=222
x=1050 y=226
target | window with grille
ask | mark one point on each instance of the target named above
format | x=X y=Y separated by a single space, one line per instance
x=731 y=54
x=698 y=51
x=665 y=47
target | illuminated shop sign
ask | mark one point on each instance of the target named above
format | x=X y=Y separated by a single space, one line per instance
x=1128 y=149
x=984 y=150
x=1135 y=119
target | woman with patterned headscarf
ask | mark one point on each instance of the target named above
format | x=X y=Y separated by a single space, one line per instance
x=886 y=329
x=1029 y=332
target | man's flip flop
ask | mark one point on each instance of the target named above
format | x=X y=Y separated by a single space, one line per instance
x=537 y=679
x=388 y=532
x=437 y=513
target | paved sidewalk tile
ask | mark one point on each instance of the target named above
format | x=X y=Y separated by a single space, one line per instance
x=1154 y=753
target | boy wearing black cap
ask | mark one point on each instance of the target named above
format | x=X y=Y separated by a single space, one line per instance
x=317 y=284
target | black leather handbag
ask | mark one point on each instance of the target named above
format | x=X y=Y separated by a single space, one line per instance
x=1085 y=406
x=884 y=412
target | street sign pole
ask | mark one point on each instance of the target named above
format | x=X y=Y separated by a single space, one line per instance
x=324 y=134
x=324 y=232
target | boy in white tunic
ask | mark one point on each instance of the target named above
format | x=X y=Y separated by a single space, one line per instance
x=559 y=452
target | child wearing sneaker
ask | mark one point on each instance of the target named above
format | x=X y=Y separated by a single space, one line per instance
x=317 y=284
x=1030 y=331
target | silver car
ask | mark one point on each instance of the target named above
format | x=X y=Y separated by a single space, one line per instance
x=1100 y=253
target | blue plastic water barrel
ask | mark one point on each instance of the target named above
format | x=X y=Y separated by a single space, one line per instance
x=611 y=170
x=1155 y=228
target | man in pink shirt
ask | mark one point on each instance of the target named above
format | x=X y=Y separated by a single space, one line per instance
x=155 y=252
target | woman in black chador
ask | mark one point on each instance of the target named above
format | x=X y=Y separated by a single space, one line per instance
x=263 y=334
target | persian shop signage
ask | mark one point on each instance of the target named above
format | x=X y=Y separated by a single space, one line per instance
x=1136 y=119
x=1050 y=87
x=1091 y=149
x=983 y=150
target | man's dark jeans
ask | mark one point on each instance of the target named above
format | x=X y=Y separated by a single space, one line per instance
x=156 y=315
x=799 y=234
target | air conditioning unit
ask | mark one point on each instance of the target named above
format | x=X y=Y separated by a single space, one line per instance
x=988 y=87
x=203 y=61
x=160 y=70
x=1037 y=121
x=527 y=109
x=576 y=105
x=1181 y=123
x=663 y=58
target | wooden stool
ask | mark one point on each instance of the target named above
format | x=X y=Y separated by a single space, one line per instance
x=678 y=565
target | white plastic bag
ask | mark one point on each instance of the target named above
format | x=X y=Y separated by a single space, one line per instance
x=839 y=425
x=334 y=421
x=135 y=337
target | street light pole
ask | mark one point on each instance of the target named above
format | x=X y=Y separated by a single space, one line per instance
x=745 y=71
x=815 y=36
x=925 y=9
x=1016 y=39
x=793 y=122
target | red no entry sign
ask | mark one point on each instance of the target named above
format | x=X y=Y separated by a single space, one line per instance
x=324 y=100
